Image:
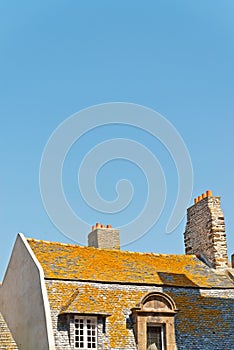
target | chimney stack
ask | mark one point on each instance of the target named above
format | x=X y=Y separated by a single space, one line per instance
x=104 y=237
x=205 y=231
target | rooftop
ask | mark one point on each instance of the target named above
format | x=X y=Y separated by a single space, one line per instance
x=75 y=263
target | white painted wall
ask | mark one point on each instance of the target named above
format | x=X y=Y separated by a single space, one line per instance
x=24 y=302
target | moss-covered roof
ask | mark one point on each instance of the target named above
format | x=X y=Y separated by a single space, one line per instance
x=6 y=340
x=73 y=262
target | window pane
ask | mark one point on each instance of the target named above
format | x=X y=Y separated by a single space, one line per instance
x=154 y=338
x=85 y=333
x=79 y=330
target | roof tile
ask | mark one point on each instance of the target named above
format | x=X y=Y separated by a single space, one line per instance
x=73 y=262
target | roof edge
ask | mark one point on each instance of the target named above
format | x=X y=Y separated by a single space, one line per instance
x=43 y=291
x=134 y=283
x=100 y=249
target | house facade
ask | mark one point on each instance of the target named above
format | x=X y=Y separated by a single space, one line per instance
x=61 y=296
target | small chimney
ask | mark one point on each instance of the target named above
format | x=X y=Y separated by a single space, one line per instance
x=205 y=231
x=104 y=237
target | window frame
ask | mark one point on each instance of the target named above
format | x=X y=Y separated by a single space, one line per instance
x=162 y=333
x=85 y=320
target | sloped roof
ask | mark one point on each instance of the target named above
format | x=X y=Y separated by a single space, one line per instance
x=73 y=262
x=83 y=299
x=91 y=298
x=198 y=310
x=6 y=340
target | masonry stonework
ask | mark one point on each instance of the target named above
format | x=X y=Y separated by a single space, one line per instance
x=104 y=237
x=205 y=232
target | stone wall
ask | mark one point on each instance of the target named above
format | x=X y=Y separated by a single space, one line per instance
x=205 y=232
x=64 y=332
x=6 y=340
x=204 y=320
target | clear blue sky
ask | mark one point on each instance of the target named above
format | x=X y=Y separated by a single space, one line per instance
x=58 y=57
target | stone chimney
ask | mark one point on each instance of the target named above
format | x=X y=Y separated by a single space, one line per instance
x=205 y=231
x=104 y=237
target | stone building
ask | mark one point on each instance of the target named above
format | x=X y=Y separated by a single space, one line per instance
x=61 y=296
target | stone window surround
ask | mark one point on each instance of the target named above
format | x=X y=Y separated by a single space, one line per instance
x=164 y=316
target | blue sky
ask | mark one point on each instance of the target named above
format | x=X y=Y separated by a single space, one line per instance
x=58 y=57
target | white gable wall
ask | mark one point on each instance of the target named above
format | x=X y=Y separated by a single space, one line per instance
x=24 y=302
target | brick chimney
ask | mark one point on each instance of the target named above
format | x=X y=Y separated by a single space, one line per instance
x=205 y=231
x=104 y=237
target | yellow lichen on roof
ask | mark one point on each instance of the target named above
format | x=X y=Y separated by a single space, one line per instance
x=91 y=299
x=196 y=311
x=72 y=262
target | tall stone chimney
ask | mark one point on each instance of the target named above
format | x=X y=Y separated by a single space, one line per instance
x=104 y=237
x=205 y=231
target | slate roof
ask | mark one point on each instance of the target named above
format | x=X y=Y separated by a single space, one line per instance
x=75 y=263
x=6 y=340
x=82 y=299
x=96 y=299
x=198 y=309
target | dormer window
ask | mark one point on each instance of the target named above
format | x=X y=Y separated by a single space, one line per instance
x=154 y=322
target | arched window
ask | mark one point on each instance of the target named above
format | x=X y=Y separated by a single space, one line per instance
x=154 y=322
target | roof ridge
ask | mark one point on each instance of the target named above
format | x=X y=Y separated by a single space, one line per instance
x=45 y=241
x=112 y=250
